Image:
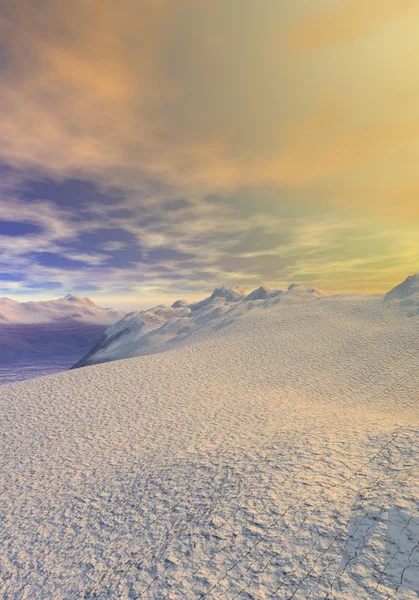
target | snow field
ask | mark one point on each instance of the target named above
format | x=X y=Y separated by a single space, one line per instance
x=273 y=454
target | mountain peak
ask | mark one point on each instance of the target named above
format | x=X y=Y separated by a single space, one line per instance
x=228 y=293
x=295 y=286
x=79 y=300
x=71 y=298
x=6 y=300
x=299 y=288
x=260 y=293
x=406 y=288
x=180 y=303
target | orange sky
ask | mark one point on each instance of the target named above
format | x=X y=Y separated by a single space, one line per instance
x=317 y=99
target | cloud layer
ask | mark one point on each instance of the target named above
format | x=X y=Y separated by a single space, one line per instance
x=162 y=147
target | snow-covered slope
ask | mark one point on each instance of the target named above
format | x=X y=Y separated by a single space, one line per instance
x=69 y=308
x=162 y=327
x=406 y=294
x=274 y=456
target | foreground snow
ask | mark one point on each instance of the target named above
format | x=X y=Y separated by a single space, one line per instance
x=274 y=455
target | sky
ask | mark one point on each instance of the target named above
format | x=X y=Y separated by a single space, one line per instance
x=156 y=150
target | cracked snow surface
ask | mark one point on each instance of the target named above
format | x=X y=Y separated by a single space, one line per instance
x=276 y=457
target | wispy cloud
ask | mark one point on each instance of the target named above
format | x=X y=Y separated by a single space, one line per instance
x=167 y=121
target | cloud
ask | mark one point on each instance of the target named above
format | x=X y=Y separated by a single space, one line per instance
x=344 y=21
x=231 y=240
x=180 y=97
x=158 y=144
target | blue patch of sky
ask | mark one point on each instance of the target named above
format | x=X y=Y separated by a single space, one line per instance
x=55 y=261
x=125 y=258
x=71 y=193
x=121 y=213
x=18 y=228
x=11 y=277
x=93 y=240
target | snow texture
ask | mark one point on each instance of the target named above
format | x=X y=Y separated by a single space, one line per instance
x=271 y=454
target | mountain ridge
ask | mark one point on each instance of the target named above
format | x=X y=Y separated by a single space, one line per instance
x=162 y=327
x=66 y=309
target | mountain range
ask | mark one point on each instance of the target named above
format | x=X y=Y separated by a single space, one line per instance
x=43 y=337
x=70 y=309
x=163 y=327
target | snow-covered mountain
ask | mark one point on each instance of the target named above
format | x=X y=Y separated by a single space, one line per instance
x=272 y=454
x=67 y=309
x=163 y=327
x=48 y=336
x=409 y=287
x=160 y=328
x=406 y=294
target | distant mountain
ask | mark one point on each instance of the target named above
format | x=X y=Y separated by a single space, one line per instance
x=162 y=327
x=406 y=294
x=67 y=309
x=54 y=332
x=405 y=289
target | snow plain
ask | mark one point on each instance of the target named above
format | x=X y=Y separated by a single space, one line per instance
x=273 y=453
